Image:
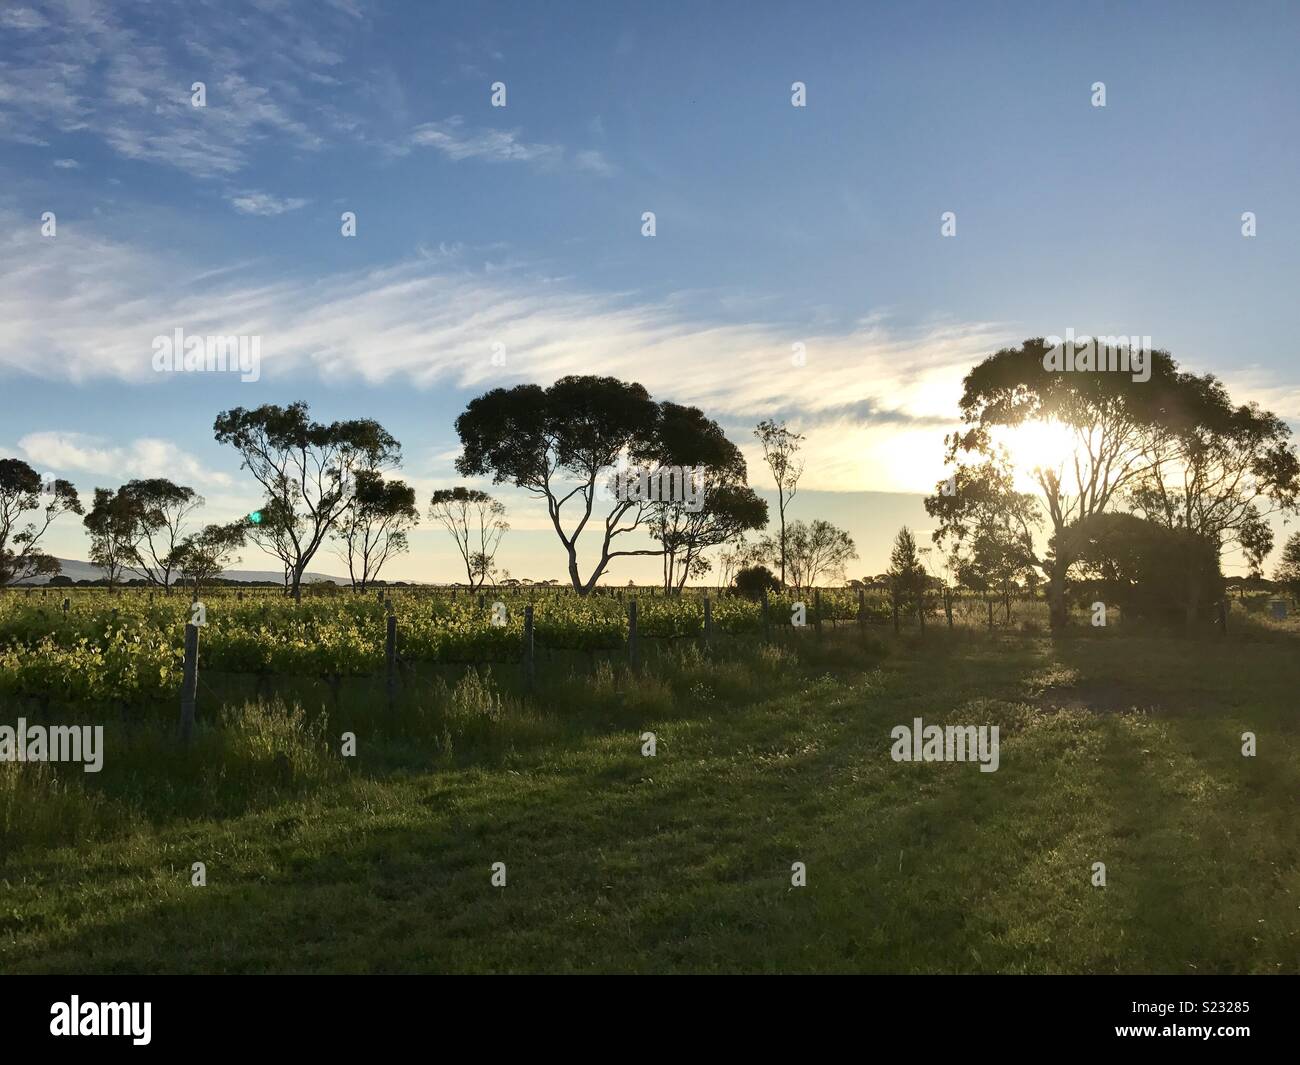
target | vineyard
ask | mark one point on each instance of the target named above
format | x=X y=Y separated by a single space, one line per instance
x=127 y=648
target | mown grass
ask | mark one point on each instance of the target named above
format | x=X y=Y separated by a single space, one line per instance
x=1124 y=749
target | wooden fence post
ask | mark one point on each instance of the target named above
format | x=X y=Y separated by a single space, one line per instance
x=189 y=682
x=862 y=607
x=817 y=610
x=767 y=630
x=66 y=604
x=530 y=672
x=633 y=651
x=390 y=655
x=708 y=621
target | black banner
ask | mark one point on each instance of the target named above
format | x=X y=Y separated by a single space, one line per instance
x=144 y=1013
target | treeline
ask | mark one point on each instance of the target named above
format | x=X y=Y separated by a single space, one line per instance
x=568 y=445
x=1166 y=474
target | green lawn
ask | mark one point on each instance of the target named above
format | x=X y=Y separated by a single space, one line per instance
x=1119 y=749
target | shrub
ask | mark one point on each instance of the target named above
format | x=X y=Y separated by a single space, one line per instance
x=752 y=581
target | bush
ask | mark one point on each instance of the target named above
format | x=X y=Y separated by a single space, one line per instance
x=752 y=581
x=1151 y=572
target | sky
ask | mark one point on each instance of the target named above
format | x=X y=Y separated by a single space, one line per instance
x=518 y=229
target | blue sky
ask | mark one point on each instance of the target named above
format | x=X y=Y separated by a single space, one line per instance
x=521 y=225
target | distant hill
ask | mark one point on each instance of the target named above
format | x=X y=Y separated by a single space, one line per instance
x=85 y=571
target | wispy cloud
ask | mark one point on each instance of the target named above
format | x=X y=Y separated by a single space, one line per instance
x=22 y=18
x=77 y=68
x=81 y=308
x=67 y=164
x=264 y=203
x=453 y=139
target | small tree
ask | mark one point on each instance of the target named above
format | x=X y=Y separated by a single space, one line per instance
x=161 y=508
x=203 y=557
x=270 y=527
x=907 y=576
x=112 y=524
x=817 y=551
x=477 y=523
x=781 y=453
x=373 y=528
x=734 y=557
x=20 y=493
x=1288 y=569
x=988 y=528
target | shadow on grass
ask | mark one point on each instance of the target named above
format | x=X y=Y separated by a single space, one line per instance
x=683 y=862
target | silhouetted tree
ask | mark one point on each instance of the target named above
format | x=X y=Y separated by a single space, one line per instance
x=562 y=443
x=476 y=522
x=781 y=453
x=112 y=523
x=20 y=494
x=308 y=470
x=373 y=527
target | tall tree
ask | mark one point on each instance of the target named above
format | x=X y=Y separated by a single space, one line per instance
x=562 y=443
x=112 y=524
x=21 y=494
x=373 y=528
x=1219 y=471
x=781 y=453
x=308 y=470
x=1109 y=415
x=161 y=508
x=476 y=522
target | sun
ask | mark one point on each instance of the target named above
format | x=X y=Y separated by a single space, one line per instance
x=1033 y=446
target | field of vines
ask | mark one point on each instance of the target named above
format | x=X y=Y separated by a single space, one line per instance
x=90 y=647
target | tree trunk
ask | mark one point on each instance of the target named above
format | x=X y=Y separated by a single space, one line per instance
x=1057 y=610
x=1192 y=600
x=781 y=507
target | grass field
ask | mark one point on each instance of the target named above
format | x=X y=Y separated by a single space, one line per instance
x=1116 y=748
